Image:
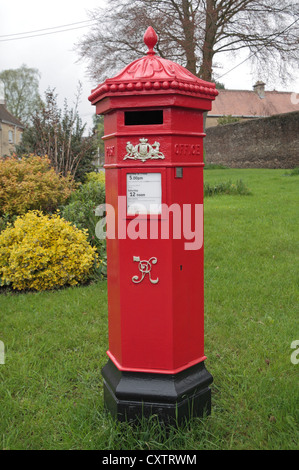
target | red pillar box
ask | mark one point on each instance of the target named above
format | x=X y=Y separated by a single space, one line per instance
x=153 y=121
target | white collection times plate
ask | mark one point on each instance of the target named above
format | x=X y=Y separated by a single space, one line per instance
x=144 y=193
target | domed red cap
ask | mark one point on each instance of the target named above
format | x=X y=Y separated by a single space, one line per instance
x=154 y=75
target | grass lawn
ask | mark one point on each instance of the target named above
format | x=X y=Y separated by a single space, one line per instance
x=55 y=342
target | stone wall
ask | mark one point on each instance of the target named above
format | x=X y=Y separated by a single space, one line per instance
x=261 y=143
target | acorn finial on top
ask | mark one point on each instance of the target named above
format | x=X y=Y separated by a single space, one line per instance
x=150 y=39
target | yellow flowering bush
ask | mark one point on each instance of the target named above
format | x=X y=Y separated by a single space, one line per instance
x=43 y=252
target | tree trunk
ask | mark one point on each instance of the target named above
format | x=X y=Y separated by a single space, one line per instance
x=189 y=27
x=206 y=68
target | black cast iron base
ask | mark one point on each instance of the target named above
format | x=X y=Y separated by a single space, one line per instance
x=173 y=398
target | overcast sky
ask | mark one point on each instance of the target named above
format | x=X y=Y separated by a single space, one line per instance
x=55 y=57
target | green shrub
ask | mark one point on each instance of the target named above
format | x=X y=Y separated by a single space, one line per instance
x=80 y=211
x=44 y=252
x=91 y=191
x=99 y=177
x=226 y=188
x=222 y=121
x=293 y=172
x=81 y=207
x=5 y=220
x=215 y=166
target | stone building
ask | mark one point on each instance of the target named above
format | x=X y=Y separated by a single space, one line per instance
x=11 y=128
x=251 y=104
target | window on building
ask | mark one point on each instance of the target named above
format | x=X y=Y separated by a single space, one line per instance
x=10 y=137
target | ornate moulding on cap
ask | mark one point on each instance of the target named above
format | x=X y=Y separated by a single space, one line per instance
x=151 y=75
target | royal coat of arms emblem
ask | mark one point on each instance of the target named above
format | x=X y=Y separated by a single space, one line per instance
x=143 y=151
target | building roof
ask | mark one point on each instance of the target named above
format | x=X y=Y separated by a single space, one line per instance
x=246 y=103
x=8 y=118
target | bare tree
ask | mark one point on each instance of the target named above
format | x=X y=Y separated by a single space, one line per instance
x=193 y=32
x=59 y=134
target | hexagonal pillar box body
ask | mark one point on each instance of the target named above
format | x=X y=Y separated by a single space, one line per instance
x=153 y=125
